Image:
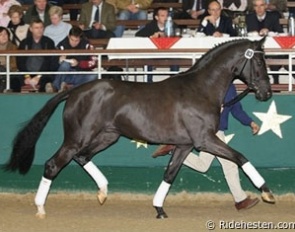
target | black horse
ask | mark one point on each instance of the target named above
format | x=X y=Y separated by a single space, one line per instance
x=183 y=110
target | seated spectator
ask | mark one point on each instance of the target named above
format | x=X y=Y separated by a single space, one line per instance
x=4 y=7
x=39 y=10
x=18 y=28
x=58 y=29
x=194 y=9
x=155 y=29
x=6 y=44
x=97 y=19
x=130 y=10
x=215 y=24
x=75 y=40
x=35 y=63
x=262 y=22
x=278 y=6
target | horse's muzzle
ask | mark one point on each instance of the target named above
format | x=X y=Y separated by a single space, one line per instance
x=263 y=95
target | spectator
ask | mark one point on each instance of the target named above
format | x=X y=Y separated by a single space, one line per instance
x=18 y=28
x=4 y=7
x=34 y=63
x=278 y=6
x=57 y=30
x=74 y=40
x=130 y=10
x=6 y=44
x=194 y=9
x=98 y=19
x=262 y=22
x=155 y=29
x=39 y=10
x=215 y=24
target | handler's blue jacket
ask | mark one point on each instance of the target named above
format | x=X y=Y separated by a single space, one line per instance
x=236 y=110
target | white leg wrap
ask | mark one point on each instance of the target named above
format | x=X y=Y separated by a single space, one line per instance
x=42 y=192
x=161 y=194
x=253 y=174
x=96 y=174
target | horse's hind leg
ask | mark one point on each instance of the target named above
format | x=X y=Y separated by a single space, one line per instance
x=217 y=147
x=52 y=167
x=173 y=167
x=102 y=141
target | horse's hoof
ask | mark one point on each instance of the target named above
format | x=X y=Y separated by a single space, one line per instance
x=161 y=213
x=40 y=215
x=102 y=197
x=268 y=197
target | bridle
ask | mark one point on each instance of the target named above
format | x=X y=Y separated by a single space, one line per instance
x=249 y=54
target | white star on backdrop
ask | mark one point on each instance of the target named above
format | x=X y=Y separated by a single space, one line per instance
x=139 y=143
x=271 y=120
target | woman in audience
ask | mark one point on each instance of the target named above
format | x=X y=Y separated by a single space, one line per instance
x=18 y=28
x=6 y=44
x=58 y=29
x=4 y=7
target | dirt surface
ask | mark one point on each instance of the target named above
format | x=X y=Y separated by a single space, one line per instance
x=68 y=212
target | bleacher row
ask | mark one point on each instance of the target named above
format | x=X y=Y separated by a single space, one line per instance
x=190 y=23
x=133 y=24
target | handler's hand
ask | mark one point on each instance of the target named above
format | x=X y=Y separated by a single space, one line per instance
x=255 y=128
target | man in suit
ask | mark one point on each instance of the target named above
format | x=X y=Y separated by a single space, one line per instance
x=98 y=19
x=215 y=24
x=278 y=6
x=263 y=22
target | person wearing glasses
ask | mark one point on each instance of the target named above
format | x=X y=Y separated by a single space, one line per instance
x=215 y=24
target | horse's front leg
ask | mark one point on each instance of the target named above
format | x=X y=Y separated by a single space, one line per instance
x=217 y=147
x=173 y=167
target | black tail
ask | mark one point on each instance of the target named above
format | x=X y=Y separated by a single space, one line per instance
x=23 y=150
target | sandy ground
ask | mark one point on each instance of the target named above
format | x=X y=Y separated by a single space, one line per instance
x=69 y=212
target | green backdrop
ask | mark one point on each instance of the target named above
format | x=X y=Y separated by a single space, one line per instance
x=128 y=165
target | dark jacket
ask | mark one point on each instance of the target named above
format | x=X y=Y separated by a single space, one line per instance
x=50 y=62
x=236 y=110
x=84 y=61
x=188 y=4
x=225 y=26
x=149 y=29
x=33 y=13
x=271 y=22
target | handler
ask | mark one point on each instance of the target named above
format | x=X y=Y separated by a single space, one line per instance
x=202 y=162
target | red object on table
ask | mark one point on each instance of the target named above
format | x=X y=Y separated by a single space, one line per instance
x=164 y=42
x=285 y=41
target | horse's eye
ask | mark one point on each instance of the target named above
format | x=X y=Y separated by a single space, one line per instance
x=259 y=62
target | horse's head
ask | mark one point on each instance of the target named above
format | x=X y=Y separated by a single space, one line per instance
x=253 y=70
